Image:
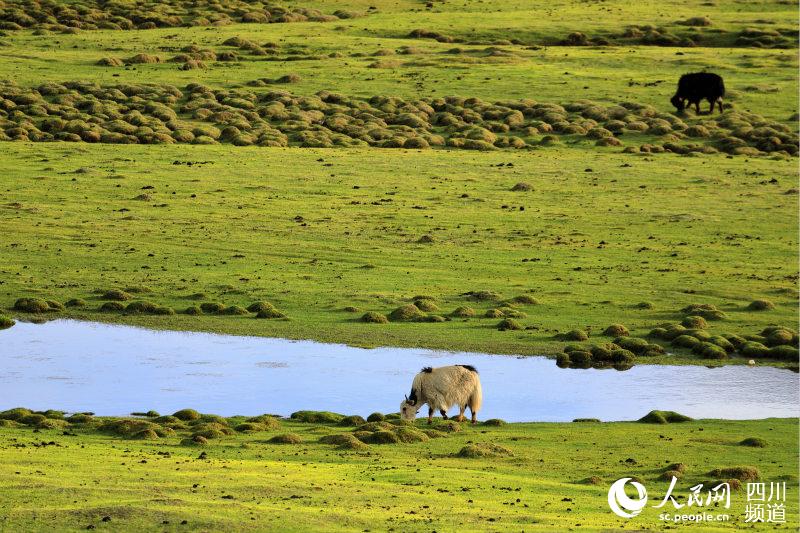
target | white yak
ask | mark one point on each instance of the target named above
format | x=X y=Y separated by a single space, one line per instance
x=442 y=388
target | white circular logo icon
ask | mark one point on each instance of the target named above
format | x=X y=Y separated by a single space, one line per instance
x=621 y=503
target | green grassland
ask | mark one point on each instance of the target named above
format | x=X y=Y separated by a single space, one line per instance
x=532 y=476
x=762 y=80
x=325 y=235
x=589 y=246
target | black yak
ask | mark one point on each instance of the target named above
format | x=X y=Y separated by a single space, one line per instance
x=699 y=86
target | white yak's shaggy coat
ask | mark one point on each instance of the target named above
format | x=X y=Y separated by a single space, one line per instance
x=442 y=388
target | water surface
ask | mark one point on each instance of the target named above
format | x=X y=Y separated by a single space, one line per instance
x=114 y=370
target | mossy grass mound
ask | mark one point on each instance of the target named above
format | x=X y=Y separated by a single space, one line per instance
x=448 y=426
x=112 y=307
x=372 y=427
x=373 y=317
x=667 y=475
x=186 y=415
x=761 y=305
x=268 y=421
x=633 y=344
x=212 y=430
x=482 y=295
x=193 y=310
x=580 y=359
x=578 y=335
x=145 y=434
x=722 y=342
x=510 y=312
x=494 y=422
x=317 y=417
x=15 y=414
x=352 y=420
x=753 y=442
x=75 y=302
x=616 y=330
x=754 y=349
x=708 y=350
x=694 y=322
x=207 y=418
x=6 y=322
x=270 y=314
x=406 y=313
x=80 y=418
x=410 y=434
x=525 y=299
x=234 y=310
x=117 y=295
x=463 y=312
x=479 y=450
x=686 y=341
x=675 y=330
x=212 y=308
x=257 y=307
x=427 y=305
x=250 y=427
x=34 y=305
x=434 y=433
x=777 y=336
x=742 y=473
x=509 y=324
x=664 y=417
x=346 y=441
x=376 y=417
x=784 y=352
x=127 y=427
x=706 y=311
x=587 y=420
x=657 y=333
x=143 y=307
x=195 y=440
x=380 y=437
x=32 y=419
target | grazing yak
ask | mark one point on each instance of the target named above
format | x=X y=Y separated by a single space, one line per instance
x=441 y=388
x=699 y=86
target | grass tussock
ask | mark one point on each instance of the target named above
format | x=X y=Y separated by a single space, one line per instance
x=664 y=417
x=481 y=450
x=6 y=322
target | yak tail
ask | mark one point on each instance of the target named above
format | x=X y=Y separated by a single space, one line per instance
x=476 y=399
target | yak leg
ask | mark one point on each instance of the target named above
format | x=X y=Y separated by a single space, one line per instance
x=713 y=104
x=430 y=415
x=444 y=413
x=697 y=107
x=461 y=413
x=719 y=103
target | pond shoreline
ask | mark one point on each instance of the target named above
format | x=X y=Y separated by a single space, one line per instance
x=215 y=325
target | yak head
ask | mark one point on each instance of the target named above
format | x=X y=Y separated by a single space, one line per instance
x=408 y=409
x=678 y=102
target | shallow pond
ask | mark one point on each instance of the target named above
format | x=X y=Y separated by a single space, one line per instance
x=114 y=370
